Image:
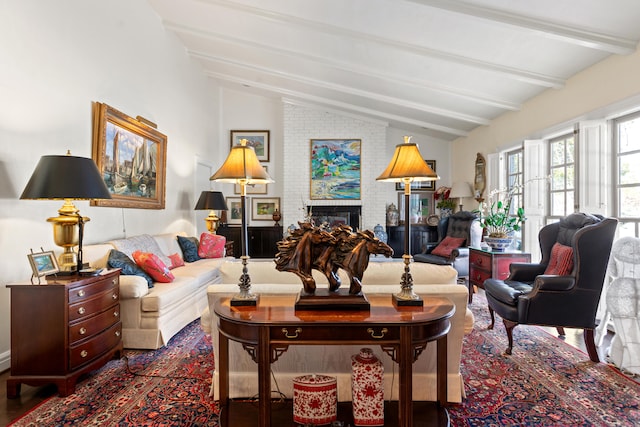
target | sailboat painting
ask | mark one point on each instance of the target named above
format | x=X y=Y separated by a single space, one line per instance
x=131 y=156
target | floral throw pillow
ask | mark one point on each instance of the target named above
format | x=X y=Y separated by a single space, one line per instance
x=153 y=266
x=447 y=246
x=176 y=261
x=211 y=246
x=561 y=262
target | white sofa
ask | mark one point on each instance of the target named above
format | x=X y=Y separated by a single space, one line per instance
x=151 y=316
x=380 y=277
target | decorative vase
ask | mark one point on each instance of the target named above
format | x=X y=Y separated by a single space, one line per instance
x=498 y=244
x=367 y=391
x=445 y=212
x=276 y=216
x=392 y=215
x=379 y=232
x=315 y=399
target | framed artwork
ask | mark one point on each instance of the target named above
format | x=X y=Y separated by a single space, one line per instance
x=253 y=188
x=43 y=263
x=263 y=208
x=420 y=206
x=258 y=139
x=131 y=156
x=335 y=169
x=421 y=185
x=234 y=215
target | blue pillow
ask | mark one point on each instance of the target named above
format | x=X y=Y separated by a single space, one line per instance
x=189 y=246
x=127 y=266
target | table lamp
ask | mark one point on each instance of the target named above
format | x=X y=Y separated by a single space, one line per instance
x=212 y=201
x=407 y=166
x=243 y=168
x=67 y=178
x=459 y=191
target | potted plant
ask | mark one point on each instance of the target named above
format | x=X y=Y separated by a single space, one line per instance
x=445 y=204
x=498 y=219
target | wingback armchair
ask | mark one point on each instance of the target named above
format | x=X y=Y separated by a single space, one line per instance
x=463 y=226
x=563 y=290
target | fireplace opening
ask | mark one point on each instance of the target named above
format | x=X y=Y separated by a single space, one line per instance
x=335 y=215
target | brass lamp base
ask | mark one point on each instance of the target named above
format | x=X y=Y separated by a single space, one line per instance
x=245 y=298
x=406 y=296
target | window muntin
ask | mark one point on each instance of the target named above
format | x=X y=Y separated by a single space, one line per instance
x=563 y=175
x=627 y=177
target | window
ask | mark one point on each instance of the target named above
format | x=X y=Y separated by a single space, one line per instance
x=515 y=177
x=563 y=177
x=627 y=176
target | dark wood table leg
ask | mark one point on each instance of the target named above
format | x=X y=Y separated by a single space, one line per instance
x=222 y=365
x=264 y=378
x=405 y=386
x=442 y=374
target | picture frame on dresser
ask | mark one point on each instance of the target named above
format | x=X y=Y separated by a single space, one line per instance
x=234 y=215
x=262 y=208
x=43 y=263
x=131 y=155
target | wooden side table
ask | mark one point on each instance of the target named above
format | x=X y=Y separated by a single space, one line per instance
x=486 y=264
x=63 y=329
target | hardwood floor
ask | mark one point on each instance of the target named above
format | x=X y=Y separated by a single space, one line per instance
x=30 y=397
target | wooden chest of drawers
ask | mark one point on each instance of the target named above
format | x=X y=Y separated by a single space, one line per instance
x=63 y=329
x=484 y=265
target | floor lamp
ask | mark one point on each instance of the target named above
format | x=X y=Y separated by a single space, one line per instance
x=407 y=166
x=243 y=168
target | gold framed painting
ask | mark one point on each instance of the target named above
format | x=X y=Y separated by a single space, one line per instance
x=258 y=139
x=131 y=156
x=263 y=208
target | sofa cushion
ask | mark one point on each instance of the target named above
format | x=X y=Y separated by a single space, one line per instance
x=127 y=266
x=176 y=261
x=211 y=245
x=561 y=260
x=153 y=266
x=144 y=243
x=447 y=245
x=189 y=247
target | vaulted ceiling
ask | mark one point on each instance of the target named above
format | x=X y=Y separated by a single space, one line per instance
x=439 y=67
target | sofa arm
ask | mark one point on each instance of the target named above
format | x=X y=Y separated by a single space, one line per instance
x=133 y=287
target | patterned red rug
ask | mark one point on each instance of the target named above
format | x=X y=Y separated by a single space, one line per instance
x=545 y=382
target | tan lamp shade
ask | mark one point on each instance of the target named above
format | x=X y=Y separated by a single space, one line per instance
x=242 y=167
x=407 y=164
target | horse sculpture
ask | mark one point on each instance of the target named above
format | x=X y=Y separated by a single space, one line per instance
x=298 y=251
x=311 y=247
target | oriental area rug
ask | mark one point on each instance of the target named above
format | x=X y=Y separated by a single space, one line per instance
x=545 y=382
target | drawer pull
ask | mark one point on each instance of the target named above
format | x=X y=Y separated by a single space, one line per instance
x=117 y=333
x=114 y=296
x=116 y=314
x=81 y=310
x=81 y=293
x=84 y=353
x=114 y=281
x=296 y=333
x=373 y=333
x=83 y=331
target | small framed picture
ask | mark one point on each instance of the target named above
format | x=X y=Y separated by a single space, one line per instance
x=253 y=188
x=43 y=263
x=258 y=139
x=263 y=208
x=235 y=210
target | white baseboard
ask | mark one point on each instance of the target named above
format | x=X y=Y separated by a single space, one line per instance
x=5 y=361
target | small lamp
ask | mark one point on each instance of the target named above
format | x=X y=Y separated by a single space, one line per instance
x=242 y=167
x=460 y=190
x=67 y=178
x=212 y=201
x=407 y=166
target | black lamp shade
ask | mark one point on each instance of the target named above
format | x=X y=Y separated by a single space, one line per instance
x=66 y=177
x=211 y=200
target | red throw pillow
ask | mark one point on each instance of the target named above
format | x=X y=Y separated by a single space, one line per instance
x=561 y=262
x=447 y=245
x=211 y=246
x=176 y=261
x=153 y=266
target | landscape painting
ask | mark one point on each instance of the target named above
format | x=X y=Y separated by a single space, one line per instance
x=335 y=169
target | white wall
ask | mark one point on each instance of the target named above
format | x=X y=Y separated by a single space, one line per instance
x=58 y=58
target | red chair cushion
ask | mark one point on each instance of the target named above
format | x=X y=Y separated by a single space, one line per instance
x=153 y=266
x=561 y=262
x=211 y=246
x=447 y=245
